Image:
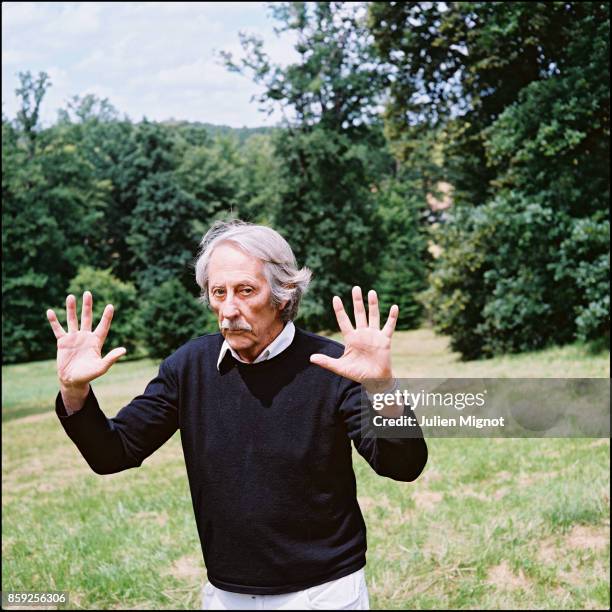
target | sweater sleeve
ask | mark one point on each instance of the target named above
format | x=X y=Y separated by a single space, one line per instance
x=126 y=440
x=400 y=458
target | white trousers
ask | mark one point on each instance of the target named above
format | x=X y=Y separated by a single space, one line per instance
x=347 y=593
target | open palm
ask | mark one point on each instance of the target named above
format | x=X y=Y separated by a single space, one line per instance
x=79 y=351
x=367 y=353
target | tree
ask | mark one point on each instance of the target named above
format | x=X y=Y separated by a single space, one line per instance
x=171 y=316
x=110 y=145
x=211 y=173
x=51 y=203
x=585 y=262
x=31 y=94
x=325 y=207
x=404 y=266
x=335 y=84
x=260 y=176
x=553 y=143
x=163 y=238
x=107 y=289
x=32 y=243
x=327 y=214
x=459 y=65
x=493 y=289
x=518 y=94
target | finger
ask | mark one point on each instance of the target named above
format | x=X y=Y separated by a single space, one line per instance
x=71 y=315
x=329 y=363
x=389 y=327
x=105 y=322
x=344 y=323
x=114 y=356
x=359 y=309
x=86 y=311
x=373 y=313
x=58 y=330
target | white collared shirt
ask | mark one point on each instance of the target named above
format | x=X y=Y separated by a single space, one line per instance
x=278 y=345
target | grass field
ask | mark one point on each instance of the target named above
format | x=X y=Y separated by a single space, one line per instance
x=491 y=523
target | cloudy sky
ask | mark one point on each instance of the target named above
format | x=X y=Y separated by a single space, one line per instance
x=153 y=59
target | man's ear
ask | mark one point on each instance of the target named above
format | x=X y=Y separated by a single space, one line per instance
x=286 y=286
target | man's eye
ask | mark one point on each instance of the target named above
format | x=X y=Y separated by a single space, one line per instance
x=218 y=292
x=247 y=291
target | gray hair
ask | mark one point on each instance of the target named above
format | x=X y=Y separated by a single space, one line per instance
x=286 y=281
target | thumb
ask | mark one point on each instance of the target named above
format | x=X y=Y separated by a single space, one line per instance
x=329 y=363
x=114 y=356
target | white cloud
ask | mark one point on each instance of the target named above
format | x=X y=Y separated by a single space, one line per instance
x=74 y=19
x=147 y=58
x=16 y=14
x=204 y=72
x=15 y=56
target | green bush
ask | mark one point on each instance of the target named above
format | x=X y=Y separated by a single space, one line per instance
x=494 y=289
x=404 y=254
x=171 y=316
x=585 y=259
x=106 y=289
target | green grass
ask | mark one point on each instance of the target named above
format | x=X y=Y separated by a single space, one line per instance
x=30 y=388
x=491 y=523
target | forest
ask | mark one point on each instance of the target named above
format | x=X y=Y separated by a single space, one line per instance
x=453 y=156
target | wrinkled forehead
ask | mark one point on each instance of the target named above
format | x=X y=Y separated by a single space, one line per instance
x=229 y=263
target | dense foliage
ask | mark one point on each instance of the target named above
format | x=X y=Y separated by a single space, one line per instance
x=518 y=94
x=171 y=316
x=107 y=289
x=505 y=102
x=332 y=184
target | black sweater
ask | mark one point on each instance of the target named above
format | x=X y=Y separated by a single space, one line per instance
x=268 y=457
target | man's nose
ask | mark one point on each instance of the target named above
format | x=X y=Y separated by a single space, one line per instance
x=229 y=309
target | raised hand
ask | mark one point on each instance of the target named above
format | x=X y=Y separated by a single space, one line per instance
x=79 y=351
x=367 y=352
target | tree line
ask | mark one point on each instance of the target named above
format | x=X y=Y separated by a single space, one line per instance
x=507 y=103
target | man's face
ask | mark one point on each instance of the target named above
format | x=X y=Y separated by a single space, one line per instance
x=240 y=296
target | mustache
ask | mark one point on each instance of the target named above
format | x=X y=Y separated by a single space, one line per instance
x=231 y=325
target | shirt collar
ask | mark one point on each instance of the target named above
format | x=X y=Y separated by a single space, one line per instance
x=278 y=345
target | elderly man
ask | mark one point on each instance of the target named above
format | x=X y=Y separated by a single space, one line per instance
x=267 y=412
